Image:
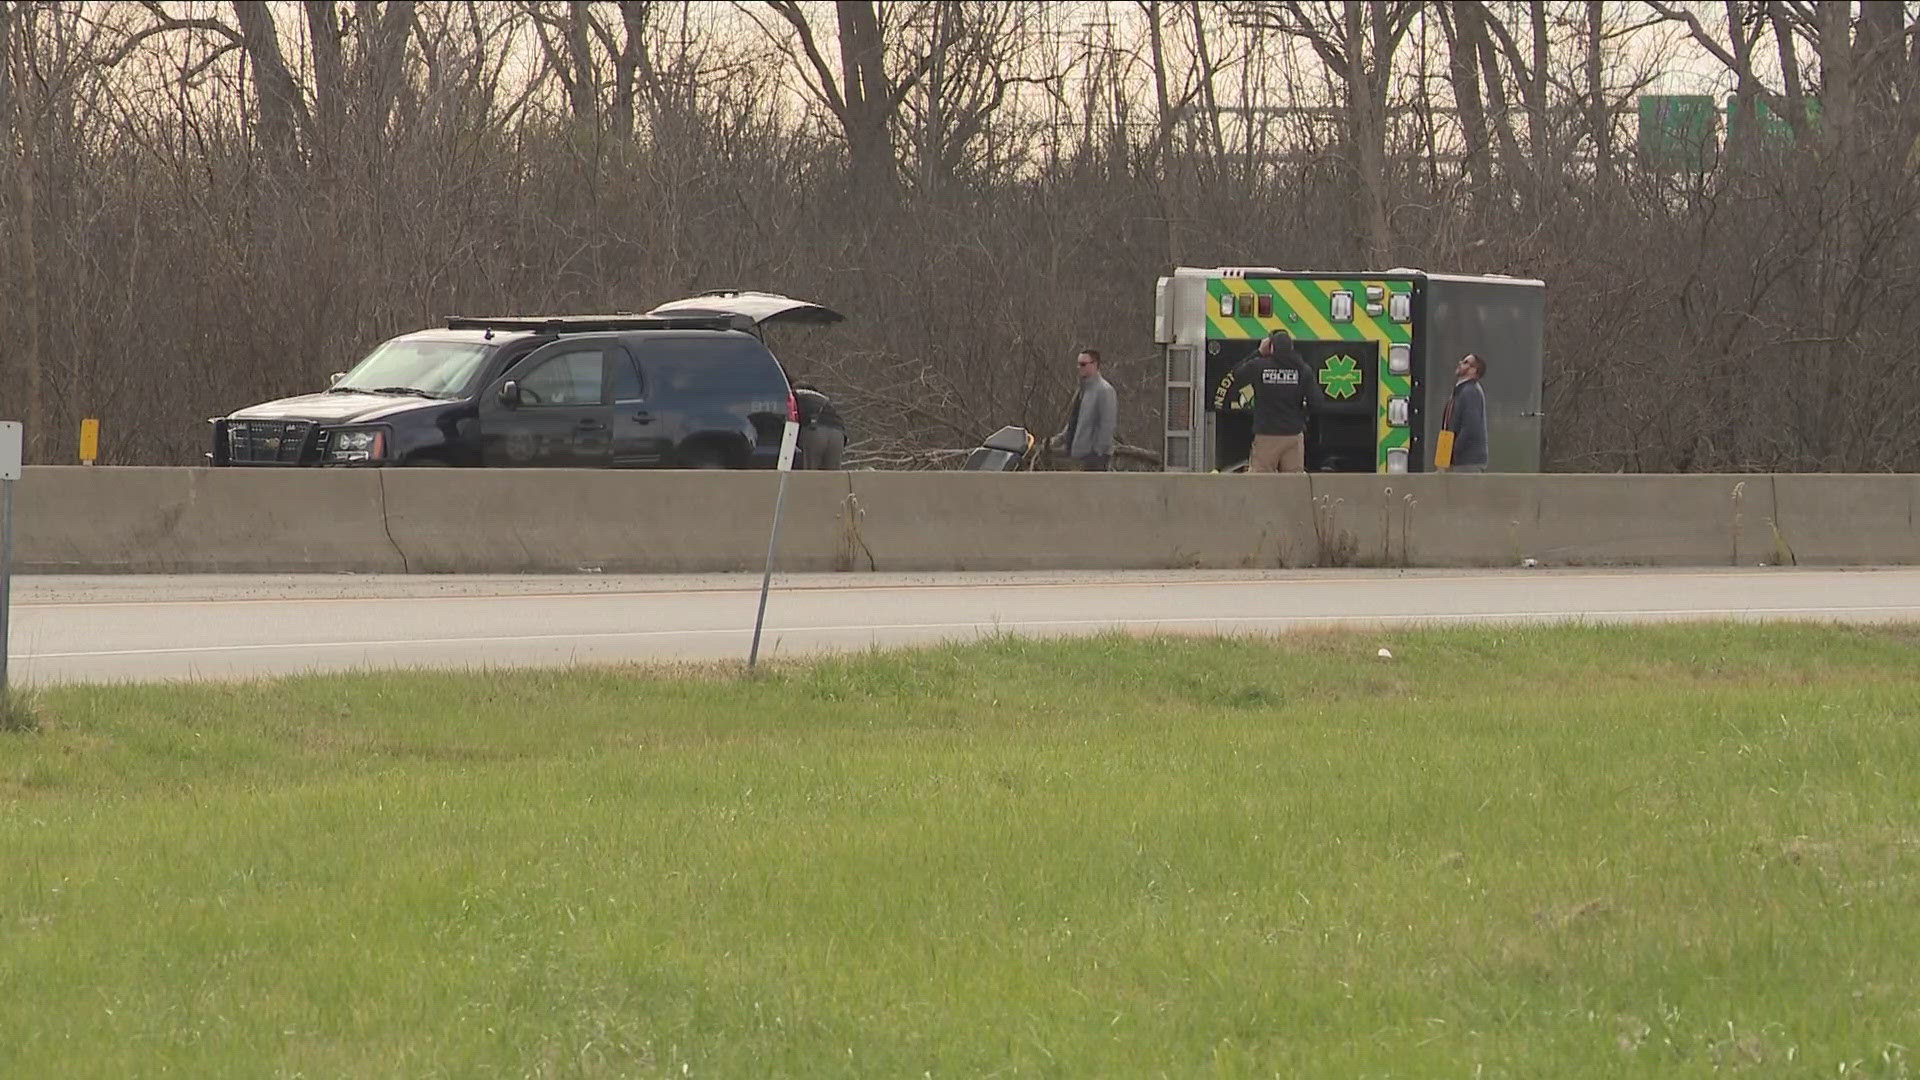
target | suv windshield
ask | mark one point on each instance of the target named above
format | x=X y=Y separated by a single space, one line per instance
x=433 y=368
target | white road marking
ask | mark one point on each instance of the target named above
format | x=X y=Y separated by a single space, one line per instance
x=1006 y=624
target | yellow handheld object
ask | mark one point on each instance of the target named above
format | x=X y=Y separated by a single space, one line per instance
x=1443 y=452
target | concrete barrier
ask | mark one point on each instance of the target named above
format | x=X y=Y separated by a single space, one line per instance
x=1439 y=519
x=125 y=520
x=1644 y=520
x=567 y=520
x=70 y=519
x=1422 y=520
x=1846 y=520
x=1028 y=521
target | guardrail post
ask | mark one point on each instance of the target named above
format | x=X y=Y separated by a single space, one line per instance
x=12 y=452
x=788 y=441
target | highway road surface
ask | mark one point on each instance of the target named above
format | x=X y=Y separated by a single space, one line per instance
x=98 y=629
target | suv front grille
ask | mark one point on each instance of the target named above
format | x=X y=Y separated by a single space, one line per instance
x=267 y=442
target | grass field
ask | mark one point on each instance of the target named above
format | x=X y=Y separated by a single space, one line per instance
x=1503 y=853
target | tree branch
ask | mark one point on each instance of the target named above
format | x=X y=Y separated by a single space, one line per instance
x=823 y=84
x=166 y=23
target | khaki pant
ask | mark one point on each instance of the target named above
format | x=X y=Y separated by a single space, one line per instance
x=1278 y=453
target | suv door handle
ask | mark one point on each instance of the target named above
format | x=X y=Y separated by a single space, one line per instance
x=591 y=425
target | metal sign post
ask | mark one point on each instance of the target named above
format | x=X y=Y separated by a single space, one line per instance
x=788 y=440
x=12 y=451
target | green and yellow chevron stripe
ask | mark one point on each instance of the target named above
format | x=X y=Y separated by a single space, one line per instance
x=1301 y=307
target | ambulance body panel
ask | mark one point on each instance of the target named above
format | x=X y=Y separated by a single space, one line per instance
x=1380 y=348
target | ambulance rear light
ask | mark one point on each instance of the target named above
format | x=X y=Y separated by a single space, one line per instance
x=1397 y=459
x=1397 y=411
x=1340 y=306
x=1376 y=310
x=1246 y=305
x=1400 y=307
x=1375 y=294
x=1226 y=305
x=1266 y=307
x=793 y=408
x=1399 y=359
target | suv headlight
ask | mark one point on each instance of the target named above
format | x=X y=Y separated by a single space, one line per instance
x=357 y=444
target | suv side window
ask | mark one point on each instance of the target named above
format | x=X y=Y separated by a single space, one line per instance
x=626 y=378
x=568 y=378
x=714 y=367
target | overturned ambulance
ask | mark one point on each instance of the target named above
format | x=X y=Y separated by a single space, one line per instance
x=1381 y=347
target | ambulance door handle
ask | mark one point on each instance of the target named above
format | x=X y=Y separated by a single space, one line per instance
x=1533 y=414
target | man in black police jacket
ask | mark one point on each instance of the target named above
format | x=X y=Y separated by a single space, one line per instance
x=1279 y=381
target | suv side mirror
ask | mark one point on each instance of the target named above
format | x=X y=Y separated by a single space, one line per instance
x=510 y=394
x=334 y=379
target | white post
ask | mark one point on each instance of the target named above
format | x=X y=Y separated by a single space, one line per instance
x=12 y=451
x=788 y=440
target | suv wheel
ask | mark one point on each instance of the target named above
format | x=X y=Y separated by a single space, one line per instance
x=704 y=457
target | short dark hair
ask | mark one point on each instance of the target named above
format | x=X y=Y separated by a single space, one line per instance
x=1479 y=365
x=1094 y=353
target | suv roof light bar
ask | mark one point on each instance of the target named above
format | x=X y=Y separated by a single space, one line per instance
x=574 y=324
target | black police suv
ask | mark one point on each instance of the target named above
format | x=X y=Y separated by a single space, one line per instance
x=693 y=390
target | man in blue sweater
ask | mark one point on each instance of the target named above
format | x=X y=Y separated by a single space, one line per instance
x=1466 y=417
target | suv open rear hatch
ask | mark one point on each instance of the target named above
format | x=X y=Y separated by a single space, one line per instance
x=762 y=307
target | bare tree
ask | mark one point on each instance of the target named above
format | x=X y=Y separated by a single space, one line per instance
x=358 y=68
x=19 y=244
x=1461 y=25
x=1357 y=41
x=978 y=54
x=866 y=94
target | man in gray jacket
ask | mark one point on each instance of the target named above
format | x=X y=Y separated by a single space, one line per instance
x=1466 y=417
x=1088 y=436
